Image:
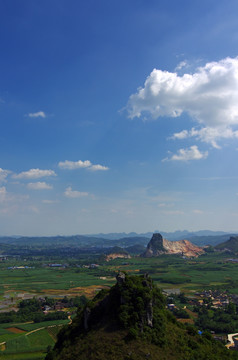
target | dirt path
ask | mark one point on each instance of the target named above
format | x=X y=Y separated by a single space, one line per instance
x=32 y=331
x=45 y=327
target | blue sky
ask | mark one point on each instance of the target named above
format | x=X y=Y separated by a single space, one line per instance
x=118 y=116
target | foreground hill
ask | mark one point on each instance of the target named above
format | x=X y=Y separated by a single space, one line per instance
x=130 y=322
x=229 y=245
x=158 y=246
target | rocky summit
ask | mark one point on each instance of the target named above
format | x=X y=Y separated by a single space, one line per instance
x=158 y=246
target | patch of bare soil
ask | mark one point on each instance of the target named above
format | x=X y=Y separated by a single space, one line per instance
x=15 y=330
x=187 y=321
x=87 y=291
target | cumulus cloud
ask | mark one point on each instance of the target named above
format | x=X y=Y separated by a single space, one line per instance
x=71 y=165
x=74 y=193
x=40 y=185
x=209 y=96
x=34 y=174
x=192 y=153
x=208 y=134
x=3 y=174
x=98 y=168
x=37 y=114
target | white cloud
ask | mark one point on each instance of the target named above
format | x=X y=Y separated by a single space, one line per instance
x=37 y=114
x=173 y=212
x=74 y=193
x=40 y=185
x=165 y=205
x=3 y=193
x=33 y=209
x=71 y=165
x=208 y=134
x=209 y=95
x=98 y=168
x=3 y=175
x=181 y=65
x=34 y=174
x=192 y=153
x=45 y=201
x=9 y=201
x=197 y=211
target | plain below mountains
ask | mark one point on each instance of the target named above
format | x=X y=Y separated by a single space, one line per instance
x=130 y=321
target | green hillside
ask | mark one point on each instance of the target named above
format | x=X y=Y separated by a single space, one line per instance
x=231 y=245
x=130 y=322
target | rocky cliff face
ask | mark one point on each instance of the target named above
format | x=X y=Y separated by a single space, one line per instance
x=158 y=246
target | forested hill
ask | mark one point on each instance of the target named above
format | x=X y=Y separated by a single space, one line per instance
x=130 y=322
x=230 y=245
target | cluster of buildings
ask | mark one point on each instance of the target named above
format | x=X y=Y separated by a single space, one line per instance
x=215 y=298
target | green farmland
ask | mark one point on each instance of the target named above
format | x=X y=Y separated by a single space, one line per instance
x=30 y=340
x=167 y=271
x=27 y=341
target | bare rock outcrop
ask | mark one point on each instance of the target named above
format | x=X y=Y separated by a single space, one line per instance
x=158 y=246
x=117 y=255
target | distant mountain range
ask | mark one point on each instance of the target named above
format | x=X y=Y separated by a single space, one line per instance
x=176 y=235
x=101 y=242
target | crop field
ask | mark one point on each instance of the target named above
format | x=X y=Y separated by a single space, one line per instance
x=167 y=271
x=30 y=342
x=189 y=275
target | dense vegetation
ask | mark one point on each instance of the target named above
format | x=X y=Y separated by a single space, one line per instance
x=231 y=245
x=130 y=321
x=218 y=320
x=32 y=310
